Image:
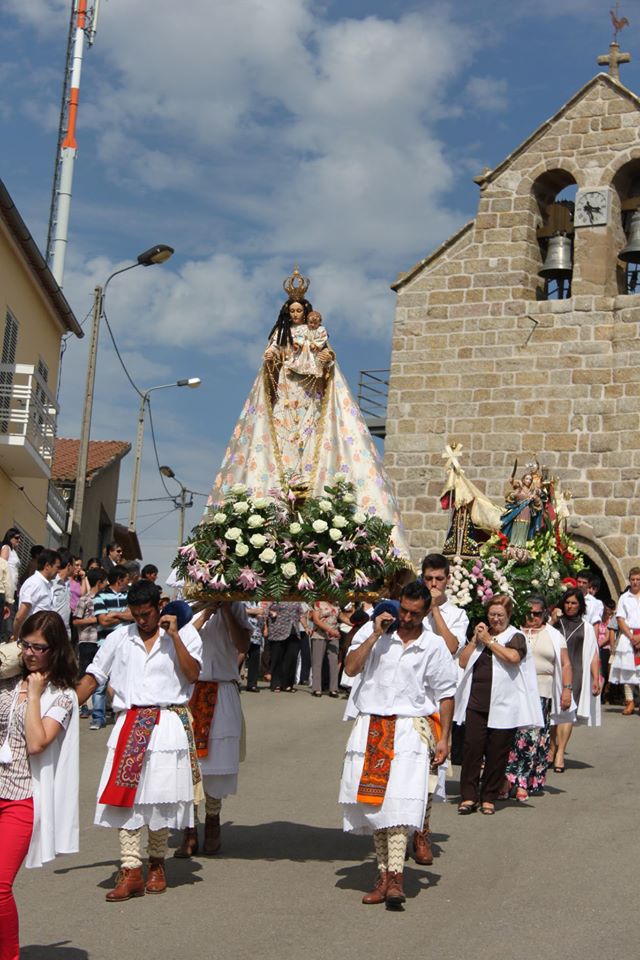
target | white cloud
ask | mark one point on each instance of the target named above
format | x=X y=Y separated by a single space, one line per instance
x=487 y=93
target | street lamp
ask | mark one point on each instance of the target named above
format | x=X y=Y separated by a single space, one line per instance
x=181 y=503
x=157 y=254
x=144 y=400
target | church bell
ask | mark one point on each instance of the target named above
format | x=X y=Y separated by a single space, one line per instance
x=630 y=253
x=557 y=263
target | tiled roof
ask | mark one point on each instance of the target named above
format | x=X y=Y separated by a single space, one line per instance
x=102 y=453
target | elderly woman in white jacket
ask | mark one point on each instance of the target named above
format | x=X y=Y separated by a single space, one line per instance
x=529 y=757
x=498 y=692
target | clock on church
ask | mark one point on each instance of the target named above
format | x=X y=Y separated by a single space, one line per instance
x=592 y=208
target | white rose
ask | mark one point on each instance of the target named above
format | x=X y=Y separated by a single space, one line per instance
x=326 y=506
x=349 y=498
x=255 y=520
x=550 y=583
x=535 y=583
x=257 y=540
x=219 y=517
x=294 y=528
x=268 y=555
x=260 y=503
x=233 y=533
x=359 y=517
x=288 y=570
x=338 y=478
x=238 y=488
x=334 y=533
x=240 y=507
x=319 y=526
x=340 y=521
x=241 y=549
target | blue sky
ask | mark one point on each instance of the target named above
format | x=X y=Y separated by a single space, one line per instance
x=250 y=135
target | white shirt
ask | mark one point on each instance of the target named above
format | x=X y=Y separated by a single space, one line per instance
x=594 y=608
x=406 y=680
x=37 y=591
x=141 y=679
x=456 y=620
x=219 y=653
x=61 y=600
x=629 y=609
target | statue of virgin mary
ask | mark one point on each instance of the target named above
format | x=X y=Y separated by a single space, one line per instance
x=298 y=429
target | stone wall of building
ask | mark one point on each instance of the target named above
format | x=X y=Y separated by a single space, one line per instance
x=480 y=358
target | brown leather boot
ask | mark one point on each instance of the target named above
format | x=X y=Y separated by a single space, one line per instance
x=422 y=852
x=379 y=891
x=129 y=883
x=189 y=846
x=628 y=708
x=156 y=879
x=212 y=842
x=395 y=894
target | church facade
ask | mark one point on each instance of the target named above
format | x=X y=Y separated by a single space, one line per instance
x=484 y=355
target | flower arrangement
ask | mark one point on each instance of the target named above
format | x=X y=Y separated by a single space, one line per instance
x=289 y=546
x=542 y=567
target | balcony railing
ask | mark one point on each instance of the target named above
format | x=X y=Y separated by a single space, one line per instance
x=373 y=394
x=28 y=416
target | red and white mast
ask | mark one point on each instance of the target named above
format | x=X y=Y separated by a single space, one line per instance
x=83 y=22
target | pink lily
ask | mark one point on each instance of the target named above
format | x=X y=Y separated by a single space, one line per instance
x=324 y=561
x=336 y=577
x=305 y=582
x=219 y=582
x=375 y=556
x=360 y=579
x=249 y=579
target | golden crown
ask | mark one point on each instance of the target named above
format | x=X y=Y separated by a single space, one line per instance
x=296 y=285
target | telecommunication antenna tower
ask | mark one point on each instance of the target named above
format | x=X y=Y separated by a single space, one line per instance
x=83 y=23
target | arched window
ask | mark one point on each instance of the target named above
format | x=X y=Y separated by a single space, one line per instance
x=626 y=183
x=554 y=192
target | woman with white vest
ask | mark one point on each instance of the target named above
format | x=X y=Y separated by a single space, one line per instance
x=529 y=757
x=582 y=645
x=38 y=761
x=498 y=692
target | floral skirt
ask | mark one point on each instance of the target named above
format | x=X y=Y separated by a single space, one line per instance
x=528 y=761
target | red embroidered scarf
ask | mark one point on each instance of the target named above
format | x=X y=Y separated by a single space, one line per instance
x=377 y=760
x=131 y=748
x=202 y=705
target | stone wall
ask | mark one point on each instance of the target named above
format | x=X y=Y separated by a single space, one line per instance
x=479 y=358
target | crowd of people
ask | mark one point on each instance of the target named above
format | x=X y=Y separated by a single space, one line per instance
x=424 y=687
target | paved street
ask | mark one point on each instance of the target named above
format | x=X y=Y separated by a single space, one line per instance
x=555 y=878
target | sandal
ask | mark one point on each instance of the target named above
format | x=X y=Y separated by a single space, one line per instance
x=521 y=795
x=467 y=807
x=488 y=809
x=316 y=693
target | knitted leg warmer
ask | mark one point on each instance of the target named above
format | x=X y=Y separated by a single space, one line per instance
x=382 y=852
x=158 y=841
x=213 y=806
x=130 y=848
x=427 y=813
x=397 y=843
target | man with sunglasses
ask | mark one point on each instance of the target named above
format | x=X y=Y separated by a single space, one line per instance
x=36 y=593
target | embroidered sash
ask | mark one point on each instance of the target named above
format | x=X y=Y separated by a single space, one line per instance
x=130 y=751
x=377 y=760
x=196 y=775
x=202 y=705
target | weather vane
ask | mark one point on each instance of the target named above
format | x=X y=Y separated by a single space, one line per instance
x=619 y=23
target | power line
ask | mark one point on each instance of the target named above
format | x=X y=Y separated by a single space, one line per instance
x=155 y=448
x=119 y=355
x=24 y=493
x=167 y=514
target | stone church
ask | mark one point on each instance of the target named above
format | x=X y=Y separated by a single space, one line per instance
x=514 y=364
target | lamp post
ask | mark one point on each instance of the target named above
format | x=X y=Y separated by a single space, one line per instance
x=144 y=399
x=181 y=502
x=157 y=254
